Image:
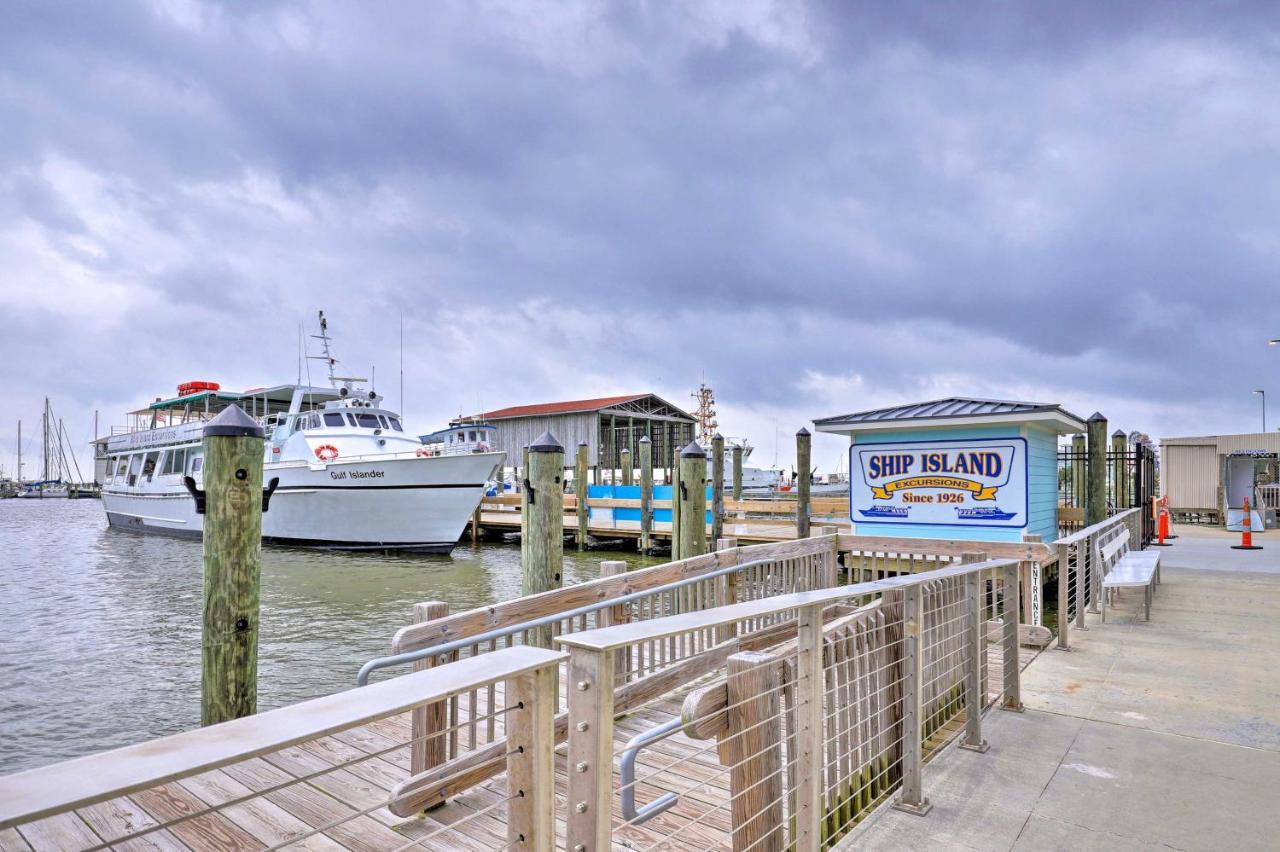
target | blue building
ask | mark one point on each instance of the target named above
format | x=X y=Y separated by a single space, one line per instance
x=958 y=468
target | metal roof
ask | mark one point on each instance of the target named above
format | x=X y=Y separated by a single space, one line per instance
x=952 y=408
x=576 y=406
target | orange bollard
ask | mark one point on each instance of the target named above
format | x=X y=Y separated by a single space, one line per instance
x=1246 y=532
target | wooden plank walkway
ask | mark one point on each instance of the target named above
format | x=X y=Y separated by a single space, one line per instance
x=749 y=531
x=331 y=794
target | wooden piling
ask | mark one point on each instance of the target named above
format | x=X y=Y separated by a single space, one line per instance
x=692 y=497
x=1120 y=468
x=1079 y=471
x=675 y=505
x=233 y=445
x=542 y=544
x=717 y=486
x=580 y=492
x=626 y=466
x=737 y=472
x=804 y=443
x=646 y=494
x=1096 y=500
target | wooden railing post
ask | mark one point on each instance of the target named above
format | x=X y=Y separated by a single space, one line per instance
x=912 y=798
x=1009 y=642
x=590 y=764
x=752 y=749
x=974 y=690
x=1064 y=598
x=620 y=614
x=809 y=689
x=428 y=722
x=531 y=820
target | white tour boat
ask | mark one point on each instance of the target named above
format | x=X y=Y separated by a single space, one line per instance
x=350 y=476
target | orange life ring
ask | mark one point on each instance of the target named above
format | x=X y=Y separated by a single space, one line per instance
x=326 y=452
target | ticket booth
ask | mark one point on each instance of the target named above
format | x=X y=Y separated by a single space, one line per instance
x=967 y=469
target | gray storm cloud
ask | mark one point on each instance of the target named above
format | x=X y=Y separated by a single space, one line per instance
x=818 y=207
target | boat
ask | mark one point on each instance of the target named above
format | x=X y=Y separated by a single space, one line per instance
x=348 y=474
x=755 y=480
x=983 y=513
x=885 y=512
x=42 y=489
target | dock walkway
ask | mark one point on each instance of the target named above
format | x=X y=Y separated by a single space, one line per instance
x=1160 y=735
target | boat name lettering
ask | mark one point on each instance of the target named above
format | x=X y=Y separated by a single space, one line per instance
x=356 y=474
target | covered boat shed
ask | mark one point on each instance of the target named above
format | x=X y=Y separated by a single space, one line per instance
x=1210 y=475
x=608 y=425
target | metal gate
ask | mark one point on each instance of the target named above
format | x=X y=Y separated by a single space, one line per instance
x=1131 y=483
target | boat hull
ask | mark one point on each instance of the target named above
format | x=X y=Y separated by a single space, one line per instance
x=365 y=503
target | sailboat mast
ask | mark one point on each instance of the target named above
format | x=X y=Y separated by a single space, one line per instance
x=19 y=450
x=44 y=450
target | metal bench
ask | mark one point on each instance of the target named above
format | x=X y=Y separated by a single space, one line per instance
x=1123 y=568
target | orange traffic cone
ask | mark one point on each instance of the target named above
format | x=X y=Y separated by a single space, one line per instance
x=1164 y=504
x=1246 y=533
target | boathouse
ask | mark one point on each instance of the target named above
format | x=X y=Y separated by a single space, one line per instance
x=607 y=425
x=956 y=468
x=1209 y=476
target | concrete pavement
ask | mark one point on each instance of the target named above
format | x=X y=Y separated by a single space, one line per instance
x=1160 y=735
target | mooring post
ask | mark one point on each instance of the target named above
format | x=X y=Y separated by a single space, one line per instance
x=1119 y=444
x=737 y=472
x=627 y=473
x=646 y=494
x=675 y=505
x=1079 y=471
x=976 y=627
x=1096 y=505
x=803 y=446
x=580 y=493
x=692 y=498
x=717 y=486
x=542 y=545
x=232 y=566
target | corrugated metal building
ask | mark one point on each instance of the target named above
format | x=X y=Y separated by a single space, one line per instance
x=607 y=425
x=1194 y=470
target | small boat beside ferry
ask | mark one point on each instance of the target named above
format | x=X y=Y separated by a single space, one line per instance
x=350 y=475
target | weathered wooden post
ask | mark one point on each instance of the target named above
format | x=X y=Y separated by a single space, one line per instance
x=737 y=472
x=810 y=686
x=1096 y=499
x=1079 y=471
x=803 y=446
x=692 y=497
x=620 y=614
x=590 y=787
x=675 y=505
x=626 y=466
x=580 y=493
x=530 y=728
x=717 y=486
x=752 y=748
x=646 y=494
x=429 y=722
x=1064 y=598
x=1009 y=642
x=542 y=545
x=1120 y=468
x=976 y=628
x=912 y=799
x=232 y=566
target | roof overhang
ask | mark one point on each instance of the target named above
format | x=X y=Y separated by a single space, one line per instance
x=1060 y=421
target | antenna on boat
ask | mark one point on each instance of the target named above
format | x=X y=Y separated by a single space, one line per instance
x=402 y=363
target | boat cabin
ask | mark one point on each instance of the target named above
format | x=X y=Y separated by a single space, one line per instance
x=462 y=439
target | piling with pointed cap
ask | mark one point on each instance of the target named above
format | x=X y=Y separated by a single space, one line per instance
x=1079 y=471
x=646 y=494
x=692 y=496
x=717 y=486
x=803 y=453
x=233 y=445
x=625 y=460
x=1096 y=496
x=1120 y=468
x=542 y=544
x=580 y=493
x=675 y=503
x=737 y=472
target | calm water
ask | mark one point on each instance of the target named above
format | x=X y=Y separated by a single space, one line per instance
x=100 y=629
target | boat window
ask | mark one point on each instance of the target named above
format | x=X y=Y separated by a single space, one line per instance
x=383 y=421
x=332 y=418
x=472 y=436
x=122 y=466
x=175 y=461
x=395 y=423
x=196 y=464
x=351 y=418
x=369 y=421
x=149 y=466
x=135 y=465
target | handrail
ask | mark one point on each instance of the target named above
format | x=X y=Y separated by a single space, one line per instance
x=1094 y=529
x=362 y=678
x=621 y=635
x=49 y=790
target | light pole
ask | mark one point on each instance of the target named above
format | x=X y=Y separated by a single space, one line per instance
x=1263 y=394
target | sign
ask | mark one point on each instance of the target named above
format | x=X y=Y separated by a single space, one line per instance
x=979 y=482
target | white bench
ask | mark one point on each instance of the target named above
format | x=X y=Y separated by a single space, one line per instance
x=1127 y=569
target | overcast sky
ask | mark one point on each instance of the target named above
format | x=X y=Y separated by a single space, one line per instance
x=819 y=208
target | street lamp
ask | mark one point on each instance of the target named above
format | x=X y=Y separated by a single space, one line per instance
x=1263 y=394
